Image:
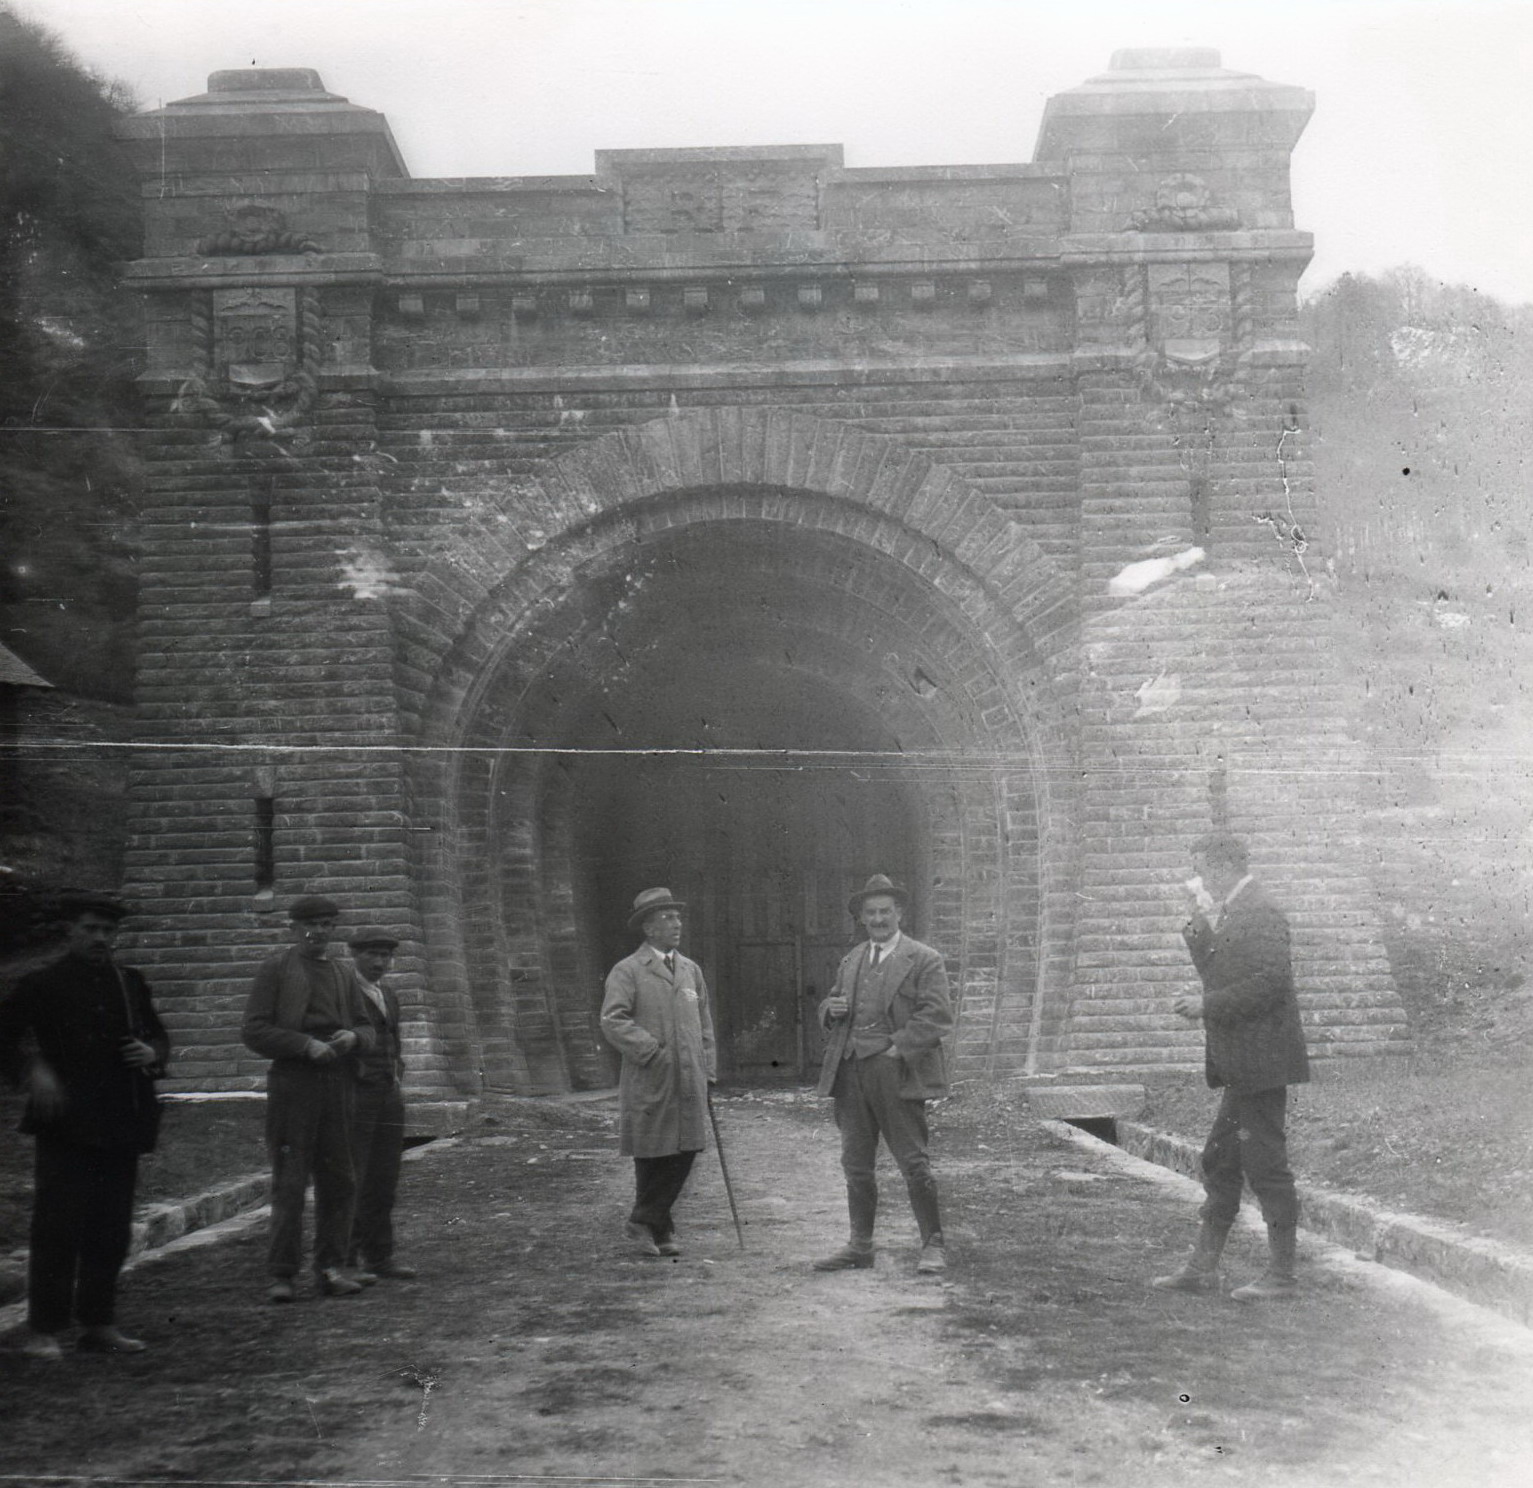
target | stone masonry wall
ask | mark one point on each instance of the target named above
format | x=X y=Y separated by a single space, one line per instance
x=413 y=435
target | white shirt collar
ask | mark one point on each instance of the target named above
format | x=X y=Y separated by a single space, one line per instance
x=1229 y=898
x=888 y=947
x=374 y=992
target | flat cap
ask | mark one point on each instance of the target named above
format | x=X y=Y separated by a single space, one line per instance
x=72 y=906
x=314 y=907
x=372 y=940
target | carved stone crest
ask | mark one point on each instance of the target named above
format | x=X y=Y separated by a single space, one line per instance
x=255 y=336
x=1189 y=310
x=1183 y=203
x=1191 y=353
x=255 y=358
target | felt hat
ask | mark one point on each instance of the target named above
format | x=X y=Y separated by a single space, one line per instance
x=879 y=884
x=72 y=906
x=314 y=907
x=648 y=902
x=372 y=940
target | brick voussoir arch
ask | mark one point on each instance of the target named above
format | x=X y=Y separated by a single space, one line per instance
x=476 y=620
x=770 y=449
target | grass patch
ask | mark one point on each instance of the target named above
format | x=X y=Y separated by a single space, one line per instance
x=1454 y=1142
x=202 y=1144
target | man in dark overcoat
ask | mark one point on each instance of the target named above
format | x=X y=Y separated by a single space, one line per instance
x=886 y=1016
x=655 y=1014
x=1254 y=1050
x=83 y=1037
x=378 y=1121
x=305 y=1014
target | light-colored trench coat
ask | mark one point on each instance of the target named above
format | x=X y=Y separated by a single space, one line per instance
x=663 y=1028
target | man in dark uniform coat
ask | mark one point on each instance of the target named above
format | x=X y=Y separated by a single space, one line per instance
x=655 y=1013
x=305 y=1014
x=886 y=1016
x=1254 y=1050
x=378 y=1123
x=97 y=1049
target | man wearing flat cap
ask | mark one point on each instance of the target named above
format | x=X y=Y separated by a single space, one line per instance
x=656 y=1015
x=305 y=1013
x=378 y=1123
x=885 y=1019
x=83 y=1038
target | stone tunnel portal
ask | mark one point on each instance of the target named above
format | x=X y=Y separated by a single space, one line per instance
x=757 y=715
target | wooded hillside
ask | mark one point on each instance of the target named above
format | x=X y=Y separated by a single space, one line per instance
x=69 y=213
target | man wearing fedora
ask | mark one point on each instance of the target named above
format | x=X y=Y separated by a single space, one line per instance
x=378 y=1122
x=656 y=1015
x=305 y=1013
x=885 y=1019
x=83 y=1038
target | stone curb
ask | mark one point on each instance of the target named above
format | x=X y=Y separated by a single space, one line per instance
x=1490 y=1272
x=158 y=1224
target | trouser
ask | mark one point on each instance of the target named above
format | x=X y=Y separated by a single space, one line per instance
x=82 y=1219
x=868 y=1105
x=377 y=1145
x=1247 y=1145
x=657 y=1184
x=308 y=1133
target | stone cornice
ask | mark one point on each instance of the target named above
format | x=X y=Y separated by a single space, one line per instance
x=285 y=270
x=619 y=263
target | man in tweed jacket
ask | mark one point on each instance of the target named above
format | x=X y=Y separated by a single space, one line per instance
x=885 y=1019
x=1254 y=1050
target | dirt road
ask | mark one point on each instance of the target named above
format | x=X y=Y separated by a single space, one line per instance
x=539 y=1347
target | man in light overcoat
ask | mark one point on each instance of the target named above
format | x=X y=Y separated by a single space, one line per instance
x=885 y=1018
x=656 y=1015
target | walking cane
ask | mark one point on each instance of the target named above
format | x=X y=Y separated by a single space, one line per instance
x=729 y=1189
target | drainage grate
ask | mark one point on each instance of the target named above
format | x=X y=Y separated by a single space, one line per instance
x=1105 y=1128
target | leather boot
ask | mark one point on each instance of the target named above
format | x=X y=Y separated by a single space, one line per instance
x=1200 y=1271
x=1278 y=1282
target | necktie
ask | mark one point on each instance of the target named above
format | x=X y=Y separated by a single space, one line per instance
x=670 y=962
x=878 y=955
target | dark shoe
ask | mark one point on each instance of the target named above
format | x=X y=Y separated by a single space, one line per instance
x=109 y=1340
x=281 y=1290
x=1269 y=1287
x=390 y=1271
x=364 y=1277
x=933 y=1261
x=336 y=1283
x=42 y=1346
x=848 y=1258
x=641 y=1235
x=668 y=1247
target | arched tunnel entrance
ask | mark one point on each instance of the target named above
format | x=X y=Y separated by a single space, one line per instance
x=758 y=715
x=761 y=848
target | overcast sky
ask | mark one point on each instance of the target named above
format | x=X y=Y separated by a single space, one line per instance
x=1420 y=151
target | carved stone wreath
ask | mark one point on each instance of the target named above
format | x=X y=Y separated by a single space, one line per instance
x=256 y=229
x=1183 y=203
